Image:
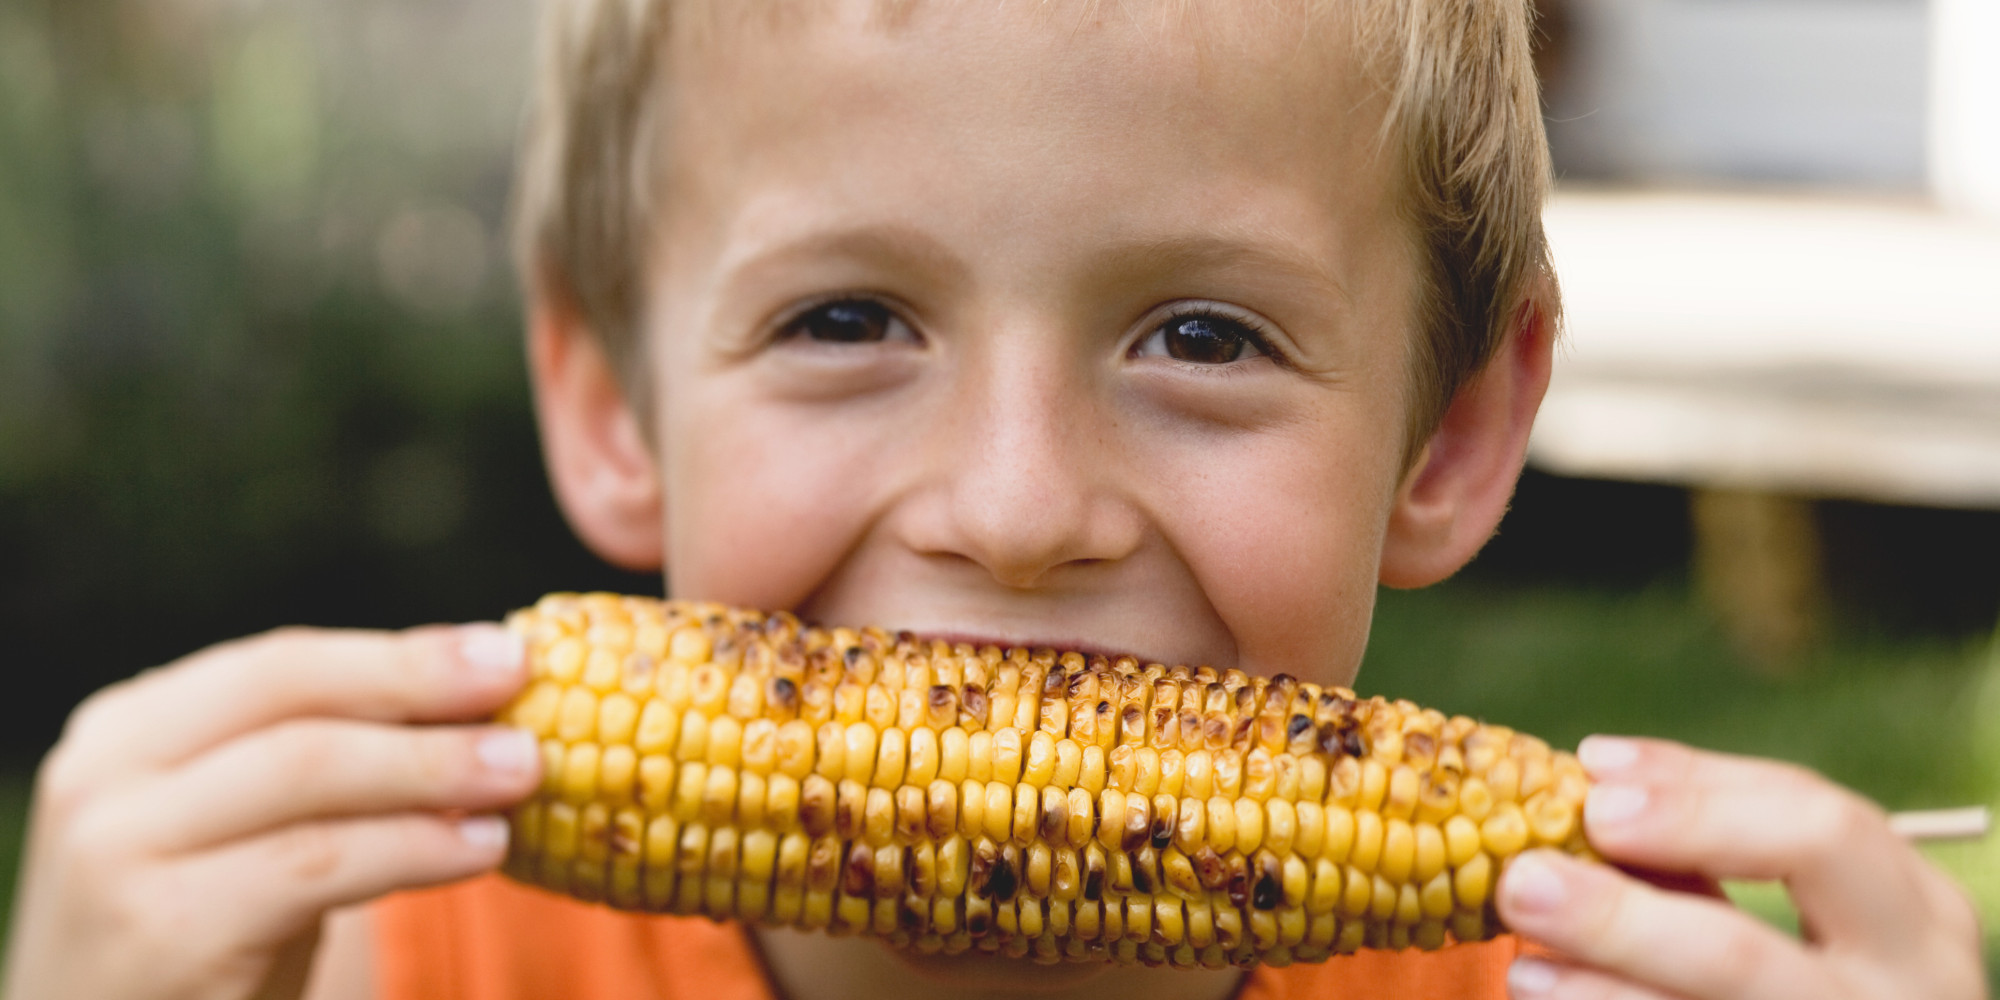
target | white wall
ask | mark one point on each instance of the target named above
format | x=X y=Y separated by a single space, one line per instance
x=1829 y=92
x=1965 y=105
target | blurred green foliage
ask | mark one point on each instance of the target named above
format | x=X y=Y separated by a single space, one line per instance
x=14 y=789
x=1904 y=720
x=259 y=356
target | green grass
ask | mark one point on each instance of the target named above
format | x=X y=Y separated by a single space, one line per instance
x=1899 y=719
x=1910 y=722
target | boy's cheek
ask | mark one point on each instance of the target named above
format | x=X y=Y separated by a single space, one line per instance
x=1287 y=541
x=1296 y=600
x=760 y=511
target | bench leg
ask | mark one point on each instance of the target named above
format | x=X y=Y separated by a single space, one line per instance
x=1757 y=563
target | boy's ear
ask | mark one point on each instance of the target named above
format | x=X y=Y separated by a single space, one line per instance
x=605 y=475
x=1454 y=494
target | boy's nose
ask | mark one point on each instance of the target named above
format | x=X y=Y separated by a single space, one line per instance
x=1028 y=479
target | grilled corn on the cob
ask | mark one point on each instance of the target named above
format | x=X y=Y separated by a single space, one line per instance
x=712 y=760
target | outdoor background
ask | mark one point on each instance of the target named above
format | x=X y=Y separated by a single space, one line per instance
x=260 y=364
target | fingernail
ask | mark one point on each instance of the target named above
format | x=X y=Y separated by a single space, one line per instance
x=1534 y=886
x=508 y=751
x=1531 y=977
x=484 y=832
x=492 y=650
x=1607 y=804
x=1604 y=755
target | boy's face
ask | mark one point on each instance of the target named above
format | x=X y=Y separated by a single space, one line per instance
x=1020 y=324
x=1034 y=324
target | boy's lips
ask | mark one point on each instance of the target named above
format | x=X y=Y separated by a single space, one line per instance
x=976 y=640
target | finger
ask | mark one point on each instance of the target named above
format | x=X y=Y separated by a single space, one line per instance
x=1531 y=978
x=1854 y=881
x=1641 y=760
x=323 y=768
x=1673 y=943
x=1958 y=913
x=1949 y=962
x=165 y=716
x=272 y=887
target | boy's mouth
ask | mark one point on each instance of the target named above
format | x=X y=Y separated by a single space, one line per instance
x=1060 y=645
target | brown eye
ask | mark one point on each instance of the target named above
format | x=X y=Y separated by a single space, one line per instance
x=848 y=321
x=1202 y=340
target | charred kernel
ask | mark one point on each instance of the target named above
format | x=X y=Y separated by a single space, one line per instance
x=1054 y=815
x=817 y=805
x=1268 y=893
x=985 y=855
x=1236 y=883
x=1132 y=724
x=822 y=867
x=858 y=875
x=1165 y=816
x=1420 y=750
x=941 y=704
x=1004 y=878
x=850 y=809
x=972 y=706
x=1438 y=798
x=1138 y=822
x=1094 y=873
x=1209 y=869
x=978 y=917
x=783 y=695
x=1143 y=863
x=912 y=813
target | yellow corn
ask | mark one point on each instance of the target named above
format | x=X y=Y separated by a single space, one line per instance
x=711 y=760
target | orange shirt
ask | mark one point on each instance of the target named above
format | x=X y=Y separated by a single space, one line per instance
x=489 y=939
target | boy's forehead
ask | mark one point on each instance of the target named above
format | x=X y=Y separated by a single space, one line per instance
x=1055 y=58
x=1173 y=82
x=1266 y=29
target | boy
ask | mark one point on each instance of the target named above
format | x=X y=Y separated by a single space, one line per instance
x=1170 y=328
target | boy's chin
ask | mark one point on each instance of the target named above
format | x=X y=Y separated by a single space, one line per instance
x=978 y=972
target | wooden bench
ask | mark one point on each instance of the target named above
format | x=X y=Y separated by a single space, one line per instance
x=1764 y=351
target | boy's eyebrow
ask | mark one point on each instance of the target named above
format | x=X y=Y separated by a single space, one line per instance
x=1253 y=252
x=897 y=244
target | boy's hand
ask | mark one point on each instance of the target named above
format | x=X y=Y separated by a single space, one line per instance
x=195 y=822
x=1879 y=921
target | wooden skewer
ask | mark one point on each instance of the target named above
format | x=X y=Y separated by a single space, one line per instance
x=1968 y=823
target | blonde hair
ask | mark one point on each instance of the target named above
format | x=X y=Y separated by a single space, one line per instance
x=1464 y=122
